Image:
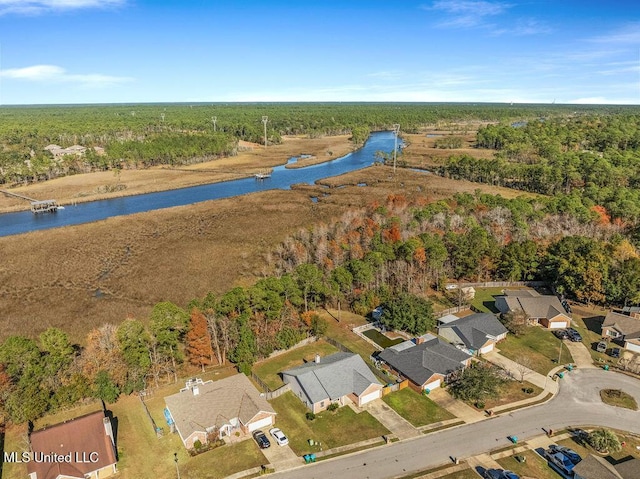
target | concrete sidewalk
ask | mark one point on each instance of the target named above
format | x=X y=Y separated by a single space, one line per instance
x=390 y=419
x=581 y=355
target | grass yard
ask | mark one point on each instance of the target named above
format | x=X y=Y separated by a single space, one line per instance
x=513 y=391
x=15 y=440
x=224 y=461
x=415 y=408
x=268 y=369
x=629 y=449
x=484 y=300
x=342 y=332
x=331 y=429
x=588 y=322
x=380 y=339
x=534 y=466
x=464 y=474
x=616 y=397
x=539 y=346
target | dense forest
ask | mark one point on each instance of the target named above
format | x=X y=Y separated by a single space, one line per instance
x=135 y=136
x=593 y=160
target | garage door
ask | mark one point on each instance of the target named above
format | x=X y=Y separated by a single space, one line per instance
x=632 y=347
x=432 y=385
x=486 y=349
x=557 y=324
x=370 y=397
x=266 y=422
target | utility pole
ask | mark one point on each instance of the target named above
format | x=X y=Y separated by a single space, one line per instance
x=265 y=119
x=214 y=119
x=396 y=130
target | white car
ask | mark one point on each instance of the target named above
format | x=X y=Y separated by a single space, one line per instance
x=279 y=436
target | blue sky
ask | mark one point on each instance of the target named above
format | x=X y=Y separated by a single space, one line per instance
x=103 y=51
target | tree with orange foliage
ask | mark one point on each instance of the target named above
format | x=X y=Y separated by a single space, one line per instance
x=601 y=211
x=198 y=340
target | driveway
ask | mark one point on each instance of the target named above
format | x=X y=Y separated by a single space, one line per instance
x=281 y=457
x=581 y=355
x=390 y=419
x=517 y=370
x=577 y=403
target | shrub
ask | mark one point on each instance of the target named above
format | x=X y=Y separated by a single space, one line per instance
x=604 y=440
x=333 y=406
x=310 y=416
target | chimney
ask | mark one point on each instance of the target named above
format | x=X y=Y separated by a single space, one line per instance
x=317 y=358
x=419 y=340
x=196 y=390
x=107 y=428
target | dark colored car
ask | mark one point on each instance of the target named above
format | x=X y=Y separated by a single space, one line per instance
x=566 y=306
x=561 y=334
x=261 y=439
x=500 y=474
x=570 y=453
x=614 y=352
x=574 y=335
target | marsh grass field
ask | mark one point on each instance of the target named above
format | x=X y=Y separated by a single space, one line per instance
x=80 y=277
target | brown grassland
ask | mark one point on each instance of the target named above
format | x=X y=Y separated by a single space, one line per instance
x=80 y=277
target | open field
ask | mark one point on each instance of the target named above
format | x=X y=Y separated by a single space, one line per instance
x=80 y=277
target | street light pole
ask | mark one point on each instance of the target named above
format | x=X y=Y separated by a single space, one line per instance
x=396 y=130
x=175 y=458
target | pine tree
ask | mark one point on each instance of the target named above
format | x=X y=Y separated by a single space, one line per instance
x=199 y=347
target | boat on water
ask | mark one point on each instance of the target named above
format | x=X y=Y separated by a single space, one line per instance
x=263 y=175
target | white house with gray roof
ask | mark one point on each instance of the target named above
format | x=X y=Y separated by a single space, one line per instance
x=339 y=378
x=218 y=408
x=477 y=332
x=426 y=361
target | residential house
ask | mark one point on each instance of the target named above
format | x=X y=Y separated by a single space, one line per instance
x=595 y=467
x=478 y=333
x=633 y=311
x=82 y=448
x=623 y=329
x=218 y=408
x=339 y=378
x=545 y=310
x=426 y=362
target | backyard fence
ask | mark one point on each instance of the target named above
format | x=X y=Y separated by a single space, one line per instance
x=158 y=430
x=260 y=382
x=359 y=330
x=454 y=310
x=500 y=284
x=338 y=345
x=278 y=392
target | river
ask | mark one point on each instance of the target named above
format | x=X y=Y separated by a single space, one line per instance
x=281 y=178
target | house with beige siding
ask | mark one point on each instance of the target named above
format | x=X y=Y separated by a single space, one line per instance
x=543 y=309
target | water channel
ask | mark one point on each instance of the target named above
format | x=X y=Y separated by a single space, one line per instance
x=281 y=178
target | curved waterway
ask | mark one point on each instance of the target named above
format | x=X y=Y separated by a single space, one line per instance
x=281 y=178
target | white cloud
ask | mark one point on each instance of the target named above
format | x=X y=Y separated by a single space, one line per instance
x=33 y=7
x=627 y=34
x=56 y=74
x=467 y=13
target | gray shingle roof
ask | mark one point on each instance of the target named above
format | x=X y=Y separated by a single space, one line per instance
x=593 y=467
x=534 y=304
x=422 y=361
x=333 y=377
x=216 y=404
x=473 y=329
x=627 y=325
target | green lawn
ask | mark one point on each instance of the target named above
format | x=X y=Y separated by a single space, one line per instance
x=224 y=461
x=484 y=300
x=380 y=339
x=331 y=429
x=534 y=466
x=342 y=332
x=539 y=346
x=588 y=322
x=416 y=408
x=464 y=474
x=629 y=448
x=269 y=369
x=513 y=391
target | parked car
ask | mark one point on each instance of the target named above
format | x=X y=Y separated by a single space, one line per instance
x=500 y=474
x=574 y=335
x=560 y=462
x=261 y=439
x=561 y=334
x=570 y=453
x=565 y=305
x=279 y=436
x=614 y=352
x=601 y=347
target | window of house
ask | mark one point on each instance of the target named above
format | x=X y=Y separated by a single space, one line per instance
x=322 y=404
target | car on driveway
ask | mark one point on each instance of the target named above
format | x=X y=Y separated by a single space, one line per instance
x=279 y=436
x=500 y=474
x=601 y=347
x=561 y=334
x=560 y=462
x=261 y=439
x=574 y=335
x=614 y=352
x=570 y=453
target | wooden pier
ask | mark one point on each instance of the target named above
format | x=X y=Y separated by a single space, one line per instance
x=42 y=206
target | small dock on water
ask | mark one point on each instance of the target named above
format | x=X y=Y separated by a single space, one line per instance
x=37 y=206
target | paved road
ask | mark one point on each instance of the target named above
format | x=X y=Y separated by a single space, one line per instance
x=577 y=403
